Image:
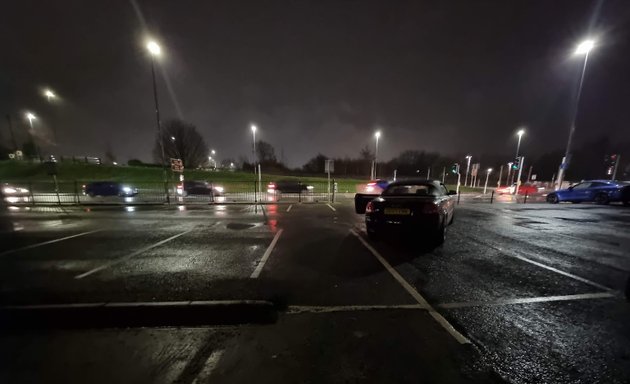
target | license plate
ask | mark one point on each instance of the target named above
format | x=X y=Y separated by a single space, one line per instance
x=397 y=211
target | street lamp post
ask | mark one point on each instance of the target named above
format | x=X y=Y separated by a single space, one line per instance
x=485 y=187
x=377 y=135
x=584 y=48
x=254 y=128
x=468 y=158
x=50 y=95
x=30 y=118
x=155 y=50
x=520 y=134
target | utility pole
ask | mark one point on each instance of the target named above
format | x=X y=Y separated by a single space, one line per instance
x=500 y=175
x=529 y=174
x=520 y=171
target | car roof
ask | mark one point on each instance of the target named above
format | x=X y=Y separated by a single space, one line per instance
x=435 y=183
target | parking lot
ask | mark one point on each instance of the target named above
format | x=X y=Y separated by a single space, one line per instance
x=519 y=292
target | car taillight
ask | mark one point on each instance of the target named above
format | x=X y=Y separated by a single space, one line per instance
x=369 y=208
x=271 y=186
x=430 y=209
x=371 y=184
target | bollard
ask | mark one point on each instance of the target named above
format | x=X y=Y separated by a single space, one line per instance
x=334 y=190
x=525 y=199
x=459 y=195
x=492 y=197
x=255 y=192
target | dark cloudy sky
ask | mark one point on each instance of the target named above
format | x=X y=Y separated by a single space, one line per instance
x=317 y=76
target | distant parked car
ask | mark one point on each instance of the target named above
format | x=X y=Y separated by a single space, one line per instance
x=109 y=188
x=525 y=188
x=598 y=191
x=288 y=186
x=15 y=194
x=198 y=188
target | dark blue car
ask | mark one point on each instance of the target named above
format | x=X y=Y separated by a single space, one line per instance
x=598 y=191
x=109 y=188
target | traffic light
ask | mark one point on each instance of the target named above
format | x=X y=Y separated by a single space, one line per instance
x=611 y=161
x=455 y=169
x=516 y=164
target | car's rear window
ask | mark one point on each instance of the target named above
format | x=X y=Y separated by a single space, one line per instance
x=411 y=190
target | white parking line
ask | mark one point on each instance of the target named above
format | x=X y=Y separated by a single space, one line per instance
x=290 y=206
x=47 y=242
x=525 y=259
x=297 y=309
x=415 y=294
x=209 y=366
x=266 y=255
x=129 y=256
x=331 y=207
x=526 y=300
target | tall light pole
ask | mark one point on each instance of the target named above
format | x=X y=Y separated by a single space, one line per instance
x=377 y=135
x=485 y=187
x=30 y=118
x=584 y=48
x=468 y=158
x=520 y=134
x=254 y=128
x=155 y=51
x=50 y=95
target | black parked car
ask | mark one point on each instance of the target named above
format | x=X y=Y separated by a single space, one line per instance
x=413 y=207
x=288 y=186
x=109 y=188
x=198 y=188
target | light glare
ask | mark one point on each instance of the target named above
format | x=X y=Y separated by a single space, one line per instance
x=154 y=48
x=584 y=47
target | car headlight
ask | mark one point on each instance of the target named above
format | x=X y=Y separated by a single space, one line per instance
x=126 y=189
x=9 y=190
x=219 y=189
x=309 y=187
x=23 y=190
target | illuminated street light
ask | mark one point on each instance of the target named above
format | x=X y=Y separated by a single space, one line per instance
x=520 y=134
x=254 y=128
x=155 y=50
x=468 y=158
x=30 y=116
x=49 y=94
x=377 y=135
x=485 y=187
x=172 y=138
x=213 y=151
x=584 y=48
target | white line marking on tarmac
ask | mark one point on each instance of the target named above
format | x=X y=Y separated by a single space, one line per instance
x=290 y=206
x=296 y=309
x=526 y=300
x=47 y=242
x=129 y=256
x=266 y=255
x=247 y=208
x=415 y=294
x=331 y=207
x=209 y=366
x=541 y=265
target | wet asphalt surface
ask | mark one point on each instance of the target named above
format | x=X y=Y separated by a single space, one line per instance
x=536 y=290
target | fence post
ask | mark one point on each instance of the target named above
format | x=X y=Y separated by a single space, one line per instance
x=492 y=197
x=525 y=199
x=334 y=187
x=299 y=192
x=167 y=193
x=255 y=191
x=211 y=192
x=30 y=191
x=76 y=192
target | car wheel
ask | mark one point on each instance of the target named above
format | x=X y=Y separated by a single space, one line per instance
x=440 y=236
x=601 y=198
x=553 y=199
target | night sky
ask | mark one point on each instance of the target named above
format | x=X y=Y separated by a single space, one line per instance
x=316 y=76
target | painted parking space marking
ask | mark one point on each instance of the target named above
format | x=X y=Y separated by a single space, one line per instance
x=266 y=255
x=47 y=242
x=527 y=300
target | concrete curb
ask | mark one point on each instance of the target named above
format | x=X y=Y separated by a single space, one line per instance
x=138 y=314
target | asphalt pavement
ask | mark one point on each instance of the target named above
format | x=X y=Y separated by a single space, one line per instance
x=521 y=293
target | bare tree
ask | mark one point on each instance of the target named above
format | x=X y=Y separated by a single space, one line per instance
x=265 y=152
x=181 y=140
